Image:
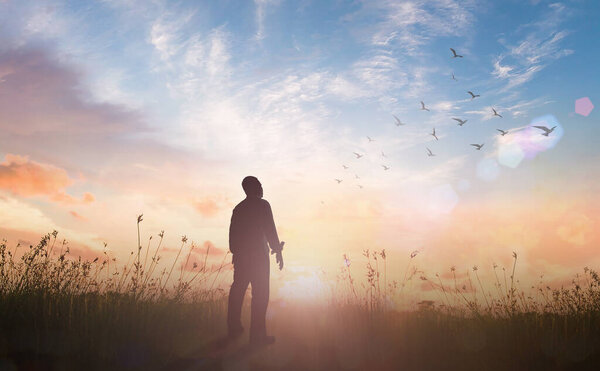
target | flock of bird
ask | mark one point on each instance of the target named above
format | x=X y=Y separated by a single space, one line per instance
x=461 y=122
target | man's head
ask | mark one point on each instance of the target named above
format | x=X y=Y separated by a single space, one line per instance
x=252 y=187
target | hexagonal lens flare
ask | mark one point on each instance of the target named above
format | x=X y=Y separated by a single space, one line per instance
x=583 y=106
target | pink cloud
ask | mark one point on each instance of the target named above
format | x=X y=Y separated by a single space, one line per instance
x=207 y=207
x=209 y=247
x=78 y=216
x=26 y=178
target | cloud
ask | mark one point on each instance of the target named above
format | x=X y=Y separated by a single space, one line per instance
x=261 y=6
x=42 y=95
x=208 y=247
x=78 y=216
x=536 y=50
x=26 y=178
x=379 y=73
x=410 y=24
x=207 y=207
x=501 y=72
x=19 y=220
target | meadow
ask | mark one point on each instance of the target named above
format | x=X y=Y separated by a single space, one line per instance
x=59 y=312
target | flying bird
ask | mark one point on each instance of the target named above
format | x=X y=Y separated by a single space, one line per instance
x=454 y=78
x=423 y=108
x=429 y=153
x=398 y=122
x=460 y=122
x=545 y=129
x=496 y=113
x=454 y=55
x=502 y=132
x=358 y=155
x=345 y=167
x=383 y=154
x=473 y=96
x=370 y=140
x=385 y=167
x=433 y=133
x=356 y=176
x=478 y=146
x=338 y=180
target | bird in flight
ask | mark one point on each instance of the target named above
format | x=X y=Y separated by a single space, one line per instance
x=383 y=154
x=460 y=122
x=398 y=122
x=356 y=176
x=423 y=108
x=345 y=167
x=454 y=55
x=496 y=113
x=429 y=153
x=358 y=155
x=502 y=132
x=545 y=129
x=338 y=180
x=473 y=96
x=478 y=146
x=454 y=78
x=433 y=133
x=370 y=140
x=385 y=167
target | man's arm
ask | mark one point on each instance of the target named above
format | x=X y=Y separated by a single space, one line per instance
x=232 y=236
x=270 y=230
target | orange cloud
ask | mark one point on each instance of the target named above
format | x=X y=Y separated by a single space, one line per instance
x=26 y=178
x=76 y=215
x=210 y=248
x=207 y=207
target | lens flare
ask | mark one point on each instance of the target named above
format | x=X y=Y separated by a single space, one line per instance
x=510 y=154
x=527 y=142
x=442 y=199
x=488 y=169
x=583 y=106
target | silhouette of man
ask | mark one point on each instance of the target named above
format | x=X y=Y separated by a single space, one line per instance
x=251 y=227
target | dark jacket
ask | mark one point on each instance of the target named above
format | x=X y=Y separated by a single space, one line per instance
x=251 y=227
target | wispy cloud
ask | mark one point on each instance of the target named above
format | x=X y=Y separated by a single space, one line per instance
x=261 y=10
x=541 y=45
x=410 y=24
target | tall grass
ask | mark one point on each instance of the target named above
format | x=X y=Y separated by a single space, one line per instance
x=57 y=309
x=55 y=305
x=469 y=326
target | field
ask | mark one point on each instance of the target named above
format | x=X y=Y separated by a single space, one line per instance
x=58 y=312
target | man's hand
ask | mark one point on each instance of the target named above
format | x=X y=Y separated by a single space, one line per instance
x=279 y=259
x=279 y=256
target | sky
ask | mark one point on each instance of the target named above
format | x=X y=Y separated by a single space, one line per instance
x=115 y=108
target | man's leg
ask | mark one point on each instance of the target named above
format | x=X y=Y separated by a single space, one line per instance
x=237 y=291
x=260 y=298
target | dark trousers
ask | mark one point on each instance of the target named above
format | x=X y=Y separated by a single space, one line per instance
x=252 y=270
